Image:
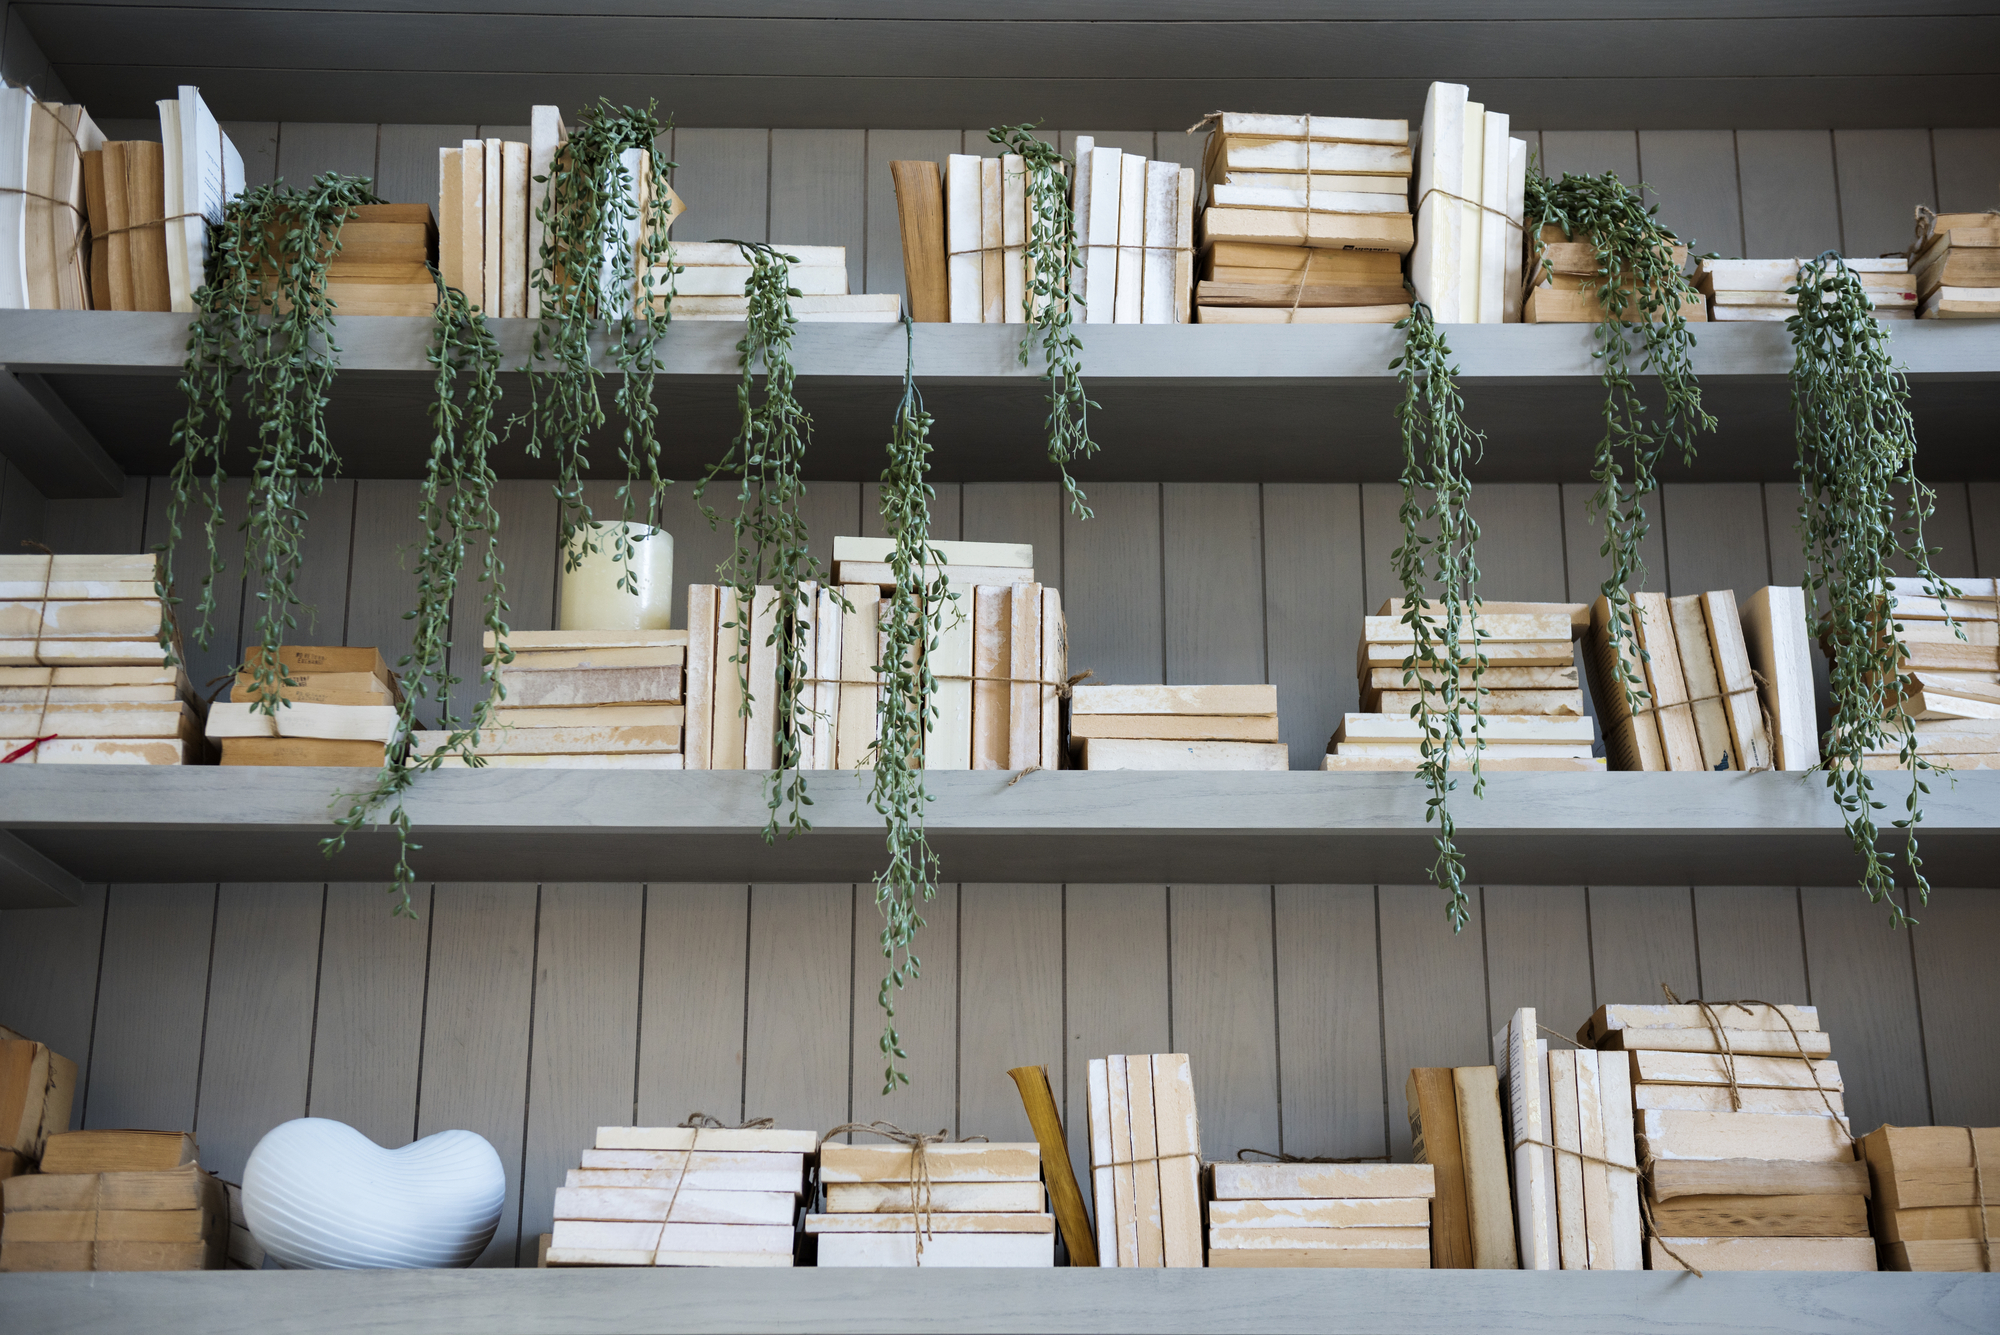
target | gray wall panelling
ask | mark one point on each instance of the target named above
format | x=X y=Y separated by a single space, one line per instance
x=22 y=508
x=927 y=1020
x=49 y=980
x=406 y=166
x=1538 y=954
x=1010 y=1003
x=1749 y=937
x=882 y=259
x=1111 y=601
x=797 y=1029
x=114 y=524
x=1791 y=203
x=152 y=1001
x=307 y=149
x=1691 y=175
x=1312 y=599
x=191 y=568
x=1591 y=153
x=691 y=1019
x=368 y=1035
x=1116 y=990
x=1884 y=175
x=1435 y=1009
x=257 y=141
x=1968 y=169
x=1212 y=542
x=1983 y=500
x=1640 y=937
x=1954 y=942
x=724 y=177
x=1714 y=538
x=1329 y=1020
x=1225 y=1011
x=814 y=201
x=1863 y=981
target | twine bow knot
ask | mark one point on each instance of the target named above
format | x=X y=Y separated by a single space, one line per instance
x=919 y=1143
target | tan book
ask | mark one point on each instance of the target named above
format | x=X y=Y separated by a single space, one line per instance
x=1750 y=1042
x=571 y=760
x=858 y=692
x=1415 y=1257
x=1669 y=1134
x=706 y=1172
x=1780 y=1019
x=472 y=222
x=173 y=719
x=1251 y=262
x=560 y=740
x=1301 y=314
x=529 y=644
x=688 y=1205
x=576 y=688
x=920 y=219
x=1231 y=1181
x=311 y=695
x=1339 y=231
x=992 y=235
x=1138 y=754
x=872 y=1250
x=1720 y=1098
x=1179 y=1147
x=1209 y=700
x=451 y=218
x=946 y=1197
x=37 y=1087
x=558 y=1258
x=118 y=214
x=732 y=658
x=110 y=1226
x=1145 y=1157
x=1964 y=1254
x=1351 y=1212
x=1124 y=1196
x=992 y=660
x=1184 y=197
x=1533 y=653
x=1499 y=731
x=301 y=751
x=1024 y=646
x=1175 y=727
x=647 y=1238
x=1316 y=1239
x=824 y=691
x=315 y=659
x=1763 y=1216
x=110 y=1256
x=883 y=576
x=88 y=695
x=122 y=618
x=1670 y=1179
x=1432 y=1099
x=1055 y=676
x=513 y=230
x=1764 y=1253
x=184 y=1188
x=1566 y=1134
x=118 y=1151
x=1413 y=750
x=1493 y=627
x=939 y=1220
x=703 y=663
x=712 y=1140
x=1558 y=703
x=1494 y=679
x=1598 y=1208
x=1775 y=633
x=970 y=1162
x=1920 y=1167
x=1483 y=1147
x=145 y=214
x=1700 y=1068
x=1942 y=1223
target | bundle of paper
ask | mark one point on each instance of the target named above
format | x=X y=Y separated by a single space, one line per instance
x=83 y=679
x=37 y=1086
x=983 y=1206
x=583 y=699
x=50 y=175
x=1145 y=1160
x=1697 y=705
x=1471 y=199
x=1456 y=1127
x=1756 y=289
x=341 y=710
x=1371 y=1216
x=1567 y=287
x=1532 y=709
x=1934 y=1205
x=1177 y=727
x=680 y=1196
x=176 y=1219
x=1750 y=1161
x=713 y=275
x=1956 y=265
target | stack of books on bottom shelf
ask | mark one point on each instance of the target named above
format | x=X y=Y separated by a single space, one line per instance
x=583 y=699
x=339 y=709
x=681 y=1196
x=980 y=1205
x=83 y=679
x=1576 y=1199
x=1951 y=650
x=115 y=1200
x=1750 y=1164
x=1456 y=1127
x=1145 y=1160
x=1177 y=727
x=711 y=283
x=1532 y=715
x=1696 y=691
x=1373 y=1216
x=1956 y=266
x=1758 y=289
x=37 y=1087
x=1933 y=1207
x=1567 y=288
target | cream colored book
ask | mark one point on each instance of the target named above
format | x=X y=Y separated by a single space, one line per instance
x=1482 y=1142
x=950 y=1250
x=1297 y=155
x=1517 y=202
x=688 y=1205
x=1100 y=257
x=942 y=1221
x=728 y=281
x=824 y=692
x=974 y=1161
x=1516 y=1053
x=1235 y=1181
x=1178 y=1145
x=1162 y=212
x=948 y=735
x=945 y=1197
x=542 y=641
x=1176 y=727
x=883 y=575
x=1329 y=1239
x=1300 y=314
x=760 y=730
x=992 y=660
x=1357 y=1212
x=1566 y=1134
x=451 y=213
x=1316 y=200
x=1055 y=670
x=472 y=220
x=1253 y=698
x=878 y=551
x=1332 y=129
x=1472 y=178
x=575 y=741
x=1500 y=730
x=1669 y=1134
x=1780 y=1019
x=709 y=1140
x=1440 y=173
x=1614 y=1085
x=582 y=716
x=1752 y=1042
x=1124 y=1184
x=20 y=722
x=702 y=663
x=1097 y=1107
x=95 y=619
x=1084 y=149
x=613 y=1236
x=1141 y=754
x=1599 y=1241
x=574 y=760
x=514 y=230
x=1764 y=1253
x=965 y=274
x=992 y=228
x=579 y=687
x=727 y=748
x=1024 y=644
x=546 y=136
x=1325 y=1258
x=1129 y=305
x=111 y=751
x=1184 y=196
x=1145 y=1161
x=858 y=689
x=1775 y=632
x=1014 y=238
x=1707 y=1068
x=1720 y=1098
x=704 y=1171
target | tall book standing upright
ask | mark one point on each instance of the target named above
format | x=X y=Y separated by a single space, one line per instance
x=203 y=173
x=1523 y=1062
x=546 y=136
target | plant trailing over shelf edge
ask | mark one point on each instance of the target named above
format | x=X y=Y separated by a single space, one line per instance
x=263 y=315
x=1048 y=304
x=1637 y=273
x=1438 y=447
x=457 y=509
x=1861 y=507
x=908 y=692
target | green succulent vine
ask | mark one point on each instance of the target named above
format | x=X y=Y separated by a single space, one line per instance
x=1861 y=508
x=262 y=317
x=459 y=518
x=1439 y=540
x=1052 y=263
x=767 y=463
x=907 y=692
x=1637 y=277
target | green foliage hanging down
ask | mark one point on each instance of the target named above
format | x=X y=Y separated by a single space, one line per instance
x=1641 y=288
x=1861 y=508
x=1438 y=546
x=459 y=517
x=908 y=692
x=604 y=270
x=262 y=319
x=767 y=463
x=1052 y=262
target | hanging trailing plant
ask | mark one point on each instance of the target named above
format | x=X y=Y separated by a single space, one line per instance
x=1862 y=507
x=458 y=516
x=1051 y=262
x=1642 y=290
x=767 y=463
x=907 y=692
x=1439 y=539
x=263 y=320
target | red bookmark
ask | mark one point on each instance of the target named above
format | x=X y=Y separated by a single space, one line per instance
x=20 y=751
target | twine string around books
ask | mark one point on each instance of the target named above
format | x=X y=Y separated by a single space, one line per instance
x=1279 y=1156
x=701 y=1121
x=1729 y=1057
x=1645 y=1208
x=698 y=1122
x=919 y=1144
x=1926 y=226
x=1979 y=1204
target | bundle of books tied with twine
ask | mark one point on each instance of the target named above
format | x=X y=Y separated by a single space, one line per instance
x=1316 y=1214
x=1177 y=727
x=1933 y=1205
x=1955 y=262
x=1694 y=701
x=926 y=1201
x=115 y=1200
x=582 y=699
x=1951 y=657
x=1759 y=289
x=1565 y=288
x=338 y=707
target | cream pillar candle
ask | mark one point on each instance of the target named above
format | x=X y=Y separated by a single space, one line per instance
x=591 y=598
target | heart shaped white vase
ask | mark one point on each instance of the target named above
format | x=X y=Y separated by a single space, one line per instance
x=319 y=1195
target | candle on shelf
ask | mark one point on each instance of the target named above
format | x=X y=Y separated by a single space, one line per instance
x=591 y=598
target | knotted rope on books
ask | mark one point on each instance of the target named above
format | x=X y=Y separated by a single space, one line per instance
x=1715 y=1027
x=1926 y=226
x=919 y=1144
x=1279 y=1156
x=698 y=1121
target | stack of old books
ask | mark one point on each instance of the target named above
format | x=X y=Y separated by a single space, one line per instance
x=1565 y=290
x=1759 y=289
x=37 y=1087
x=1532 y=710
x=1951 y=650
x=1373 y=1216
x=1471 y=196
x=47 y=150
x=83 y=679
x=1955 y=264
x=1145 y=1160
x=710 y=285
x=582 y=699
x=682 y=1196
x=1933 y=1206
x=1177 y=727
x=972 y=1204
x=1750 y=1164
x=1134 y=236
x=115 y=1200
x=1307 y=220
x=339 y=709
x=1570 y=1123
x=1457 y=1128
x=383 y=264
x=1698 y=706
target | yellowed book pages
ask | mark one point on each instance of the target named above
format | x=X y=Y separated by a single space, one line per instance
x=1706 y=1068
x=712 y=1140
x=1710 y=1135
x=690 y=1205
x=731 y=656
x=992 y=660
x=858 y=691
x=1124 y=1188
x=1179 y=1147
x=760 y=730
x=514 y=230
x=940 y=1220
x=1567 y=1135
x=1024 y=711
x=1055 y=669
x=1754 y=1042
x=472 y=220
x=1780 y=1019
x=1292 y=1258
x=1482 y=1142
x=1233 y=1181
x=1246 y=699
x=701 y=664
x=968 y=1162
x=1764 y=1253
x=992 y=232
x=948 y=736
x=1353 y=1212
x=951 y=1250
x=1176 y=727
x=1145 y=1155
x=1097 y=1108
x=963 y=1197
x=1599 y=1242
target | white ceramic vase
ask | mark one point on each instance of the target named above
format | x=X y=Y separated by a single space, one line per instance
x=319 y=1195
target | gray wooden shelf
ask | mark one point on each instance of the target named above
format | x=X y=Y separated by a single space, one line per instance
x=1180 y=403
x=1324 y=1302
x=213 y=823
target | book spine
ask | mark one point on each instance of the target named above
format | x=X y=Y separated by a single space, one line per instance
x=965 y=275
x=992 y=230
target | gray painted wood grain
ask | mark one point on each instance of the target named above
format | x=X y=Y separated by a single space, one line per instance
x=1863 y=981
x=406 y=166
x=152 y=994
x=224 y=623
x=1591 y=153
x=692 y=1001
x=327 y=576
x=1312 y=601
x=23 y=509
x=1520 y=541
x=307 y=149
x=48 y=979
x=1960 y=992
x=800 y=1017
x=814 y=199
x=1884 y=176
x=1434 y=994
x=114 y=524
x=946 y=508
x=724 y=177
x=529 y=564
x=1750 y=937
x=1111 y=590
x=1968 y=168
x=1010 y=1012
x=1329 y=1020
x=1030 y=512
x=1225 y=1012
x=1950 y=529
x=1983 y=500
x=1538 y=954
x=1791 y=203
x=927 y=1019
x=1583 y=544
x=382 y=585
x=368 y=1028
x=1714 y=538
x=1213 y=580
x=1640 y=937
x=257 y=141
x=1116 y=990
x=882 y=254
x=1691 y=175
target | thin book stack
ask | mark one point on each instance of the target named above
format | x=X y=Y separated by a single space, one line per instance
x=987 y=214
x=1145 y=1161
x=1750 y=1164
x=583 y=699
x=1777 y=638
x=1570 y=1125
x=1567 y=284
x=1307 y=220
x=1177 y=727
x=1956 y=265
x=1373 y=1216
x=340 y=709
x=383 y=266
x=972 y=1204
x=1532 y=715
x=1134 y=237
x=1759 y=289
x=83 y=679
x=1934 y=1206
x=202 y=173
x=682 y=1196
x=45 y=257
x=1471 y=183
x=1456 y=1127
x=710 y=285
x=484 y=199
x=115 y=1200
x=1700 y=708
x=1951 y=652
